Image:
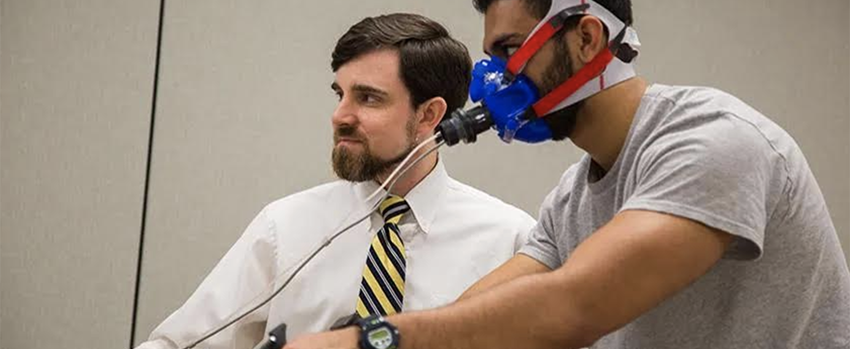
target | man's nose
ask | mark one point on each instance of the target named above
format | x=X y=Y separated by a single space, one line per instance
x=344 y=114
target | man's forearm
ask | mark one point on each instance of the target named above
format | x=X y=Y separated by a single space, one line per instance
x=518 y=266
x=532 y=312
x=623 y=270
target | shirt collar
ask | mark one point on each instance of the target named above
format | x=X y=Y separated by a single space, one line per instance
x=423 y=198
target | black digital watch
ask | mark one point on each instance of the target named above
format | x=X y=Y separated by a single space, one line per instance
x=377 y=333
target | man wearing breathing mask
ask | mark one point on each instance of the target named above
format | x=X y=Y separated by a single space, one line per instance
x=396 y=75
x=692 y=222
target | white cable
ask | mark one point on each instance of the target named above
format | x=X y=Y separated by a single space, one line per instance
x=401 y=170
x=409 y=155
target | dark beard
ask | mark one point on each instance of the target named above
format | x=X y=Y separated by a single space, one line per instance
x=364 y=166
x=562 y=122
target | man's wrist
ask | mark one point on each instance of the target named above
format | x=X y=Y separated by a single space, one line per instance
x=351 y=335
x=377 y=333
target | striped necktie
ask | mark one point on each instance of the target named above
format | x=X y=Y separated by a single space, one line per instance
x=382 y=286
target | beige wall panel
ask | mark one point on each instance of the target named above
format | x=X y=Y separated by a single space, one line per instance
x=76 y=91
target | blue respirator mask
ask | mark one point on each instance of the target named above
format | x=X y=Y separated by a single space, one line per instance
x=509 y=101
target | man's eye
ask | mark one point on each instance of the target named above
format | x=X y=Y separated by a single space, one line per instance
x=369 y=99
x=505 y=51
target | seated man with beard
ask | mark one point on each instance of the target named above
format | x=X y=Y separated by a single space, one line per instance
x=396 y=76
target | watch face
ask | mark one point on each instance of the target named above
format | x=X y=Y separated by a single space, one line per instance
x=380 y=338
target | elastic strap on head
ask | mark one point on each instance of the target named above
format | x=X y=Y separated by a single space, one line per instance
x=587 y=73
x=541 y=35
x=573 y=84
x=599 y=74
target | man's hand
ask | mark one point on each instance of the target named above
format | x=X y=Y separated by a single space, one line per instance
x=341 y=339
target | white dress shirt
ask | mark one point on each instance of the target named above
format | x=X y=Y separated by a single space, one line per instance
x=453 y=236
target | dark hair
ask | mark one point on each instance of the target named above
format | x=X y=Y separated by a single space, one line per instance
x=539 y=8
x=433 y=64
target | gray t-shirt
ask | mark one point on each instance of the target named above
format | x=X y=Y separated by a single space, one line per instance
x=704 y=155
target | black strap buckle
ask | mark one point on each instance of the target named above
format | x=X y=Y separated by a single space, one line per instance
x=621 y=50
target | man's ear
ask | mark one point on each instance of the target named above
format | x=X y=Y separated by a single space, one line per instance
x=592 y=38
x=430 y=114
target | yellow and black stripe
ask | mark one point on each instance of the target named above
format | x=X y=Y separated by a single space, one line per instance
x=382 y=286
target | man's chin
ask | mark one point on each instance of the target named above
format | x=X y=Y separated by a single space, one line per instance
x=361 y=174
x=349 y=175
x=349 y=149
x=354 y=163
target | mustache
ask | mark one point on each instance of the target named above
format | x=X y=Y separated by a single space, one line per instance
x=347 y=132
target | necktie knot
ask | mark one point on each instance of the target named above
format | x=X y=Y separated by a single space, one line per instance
x=393 y=208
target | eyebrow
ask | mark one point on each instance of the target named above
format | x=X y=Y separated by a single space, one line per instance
x=500 y=41
x=369 y=89
x=362 y=89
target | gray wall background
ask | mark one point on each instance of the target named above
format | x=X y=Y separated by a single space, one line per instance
x=76 y=83
x=243 y=118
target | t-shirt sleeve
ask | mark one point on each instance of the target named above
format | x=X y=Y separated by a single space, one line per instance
x=523 y=230
x=541 y=244
x=718 y=173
